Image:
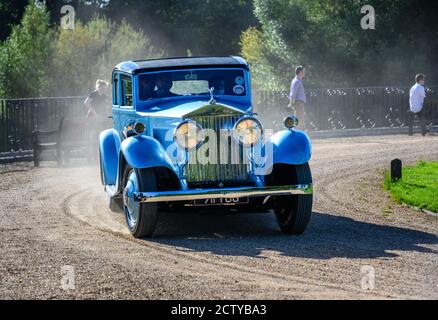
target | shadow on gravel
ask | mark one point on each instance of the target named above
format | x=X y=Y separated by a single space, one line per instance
x=328 y=236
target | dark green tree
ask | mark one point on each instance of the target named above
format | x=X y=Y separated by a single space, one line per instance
x=326 y=36
x=25 y=54
x=180 y=27
x=198 y=27
x=91 y=51
x=85 y=10
x=11 y=12
x=38 y=59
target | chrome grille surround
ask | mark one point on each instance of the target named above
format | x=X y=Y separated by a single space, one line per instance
x=231 y=167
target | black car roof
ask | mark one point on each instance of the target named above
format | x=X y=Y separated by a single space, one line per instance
x=181 y=63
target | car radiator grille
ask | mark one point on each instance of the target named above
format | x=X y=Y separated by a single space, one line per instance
x=229 y=168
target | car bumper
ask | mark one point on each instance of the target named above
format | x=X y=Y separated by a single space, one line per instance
x=198 y=194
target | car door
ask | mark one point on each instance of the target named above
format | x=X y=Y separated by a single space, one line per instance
x=116 y=101
x=126 y=109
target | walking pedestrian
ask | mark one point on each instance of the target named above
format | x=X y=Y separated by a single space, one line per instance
x=297 y=96
x=98 y=109
x=416 y=100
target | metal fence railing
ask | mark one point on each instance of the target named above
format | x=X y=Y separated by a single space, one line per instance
x=20 y=117
x=326 y=109
x=344 y=108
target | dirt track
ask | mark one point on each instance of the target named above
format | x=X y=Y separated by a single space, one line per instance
x=52 y=217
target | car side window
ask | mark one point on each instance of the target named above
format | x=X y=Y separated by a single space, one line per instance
x=126 y=83
x=115 y=84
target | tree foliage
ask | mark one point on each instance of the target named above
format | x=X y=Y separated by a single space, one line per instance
x=11 y=12
x=91 y=51
x=24 y=56
x=326 y=37
x=177 y=26
x=38 y=59
x=200 y=27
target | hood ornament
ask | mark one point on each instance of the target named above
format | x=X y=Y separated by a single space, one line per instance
x=212 y=101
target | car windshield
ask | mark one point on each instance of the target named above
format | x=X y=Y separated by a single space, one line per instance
x=191 y=82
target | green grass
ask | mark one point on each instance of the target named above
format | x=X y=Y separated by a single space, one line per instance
x=418 y=186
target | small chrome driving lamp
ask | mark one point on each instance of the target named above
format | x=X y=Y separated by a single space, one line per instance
x=290 y=122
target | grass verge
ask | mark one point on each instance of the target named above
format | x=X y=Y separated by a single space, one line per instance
x=418 y=186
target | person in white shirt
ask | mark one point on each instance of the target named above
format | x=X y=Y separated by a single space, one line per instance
x=416 y=99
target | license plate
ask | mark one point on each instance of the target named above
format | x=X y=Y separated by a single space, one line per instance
x=220 y=201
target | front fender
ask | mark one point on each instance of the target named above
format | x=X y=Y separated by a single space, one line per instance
x=109 y=142
x=145 y=152
x=291 y=147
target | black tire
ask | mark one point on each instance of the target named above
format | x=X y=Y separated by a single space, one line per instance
x=292 y=212
x=148 y=212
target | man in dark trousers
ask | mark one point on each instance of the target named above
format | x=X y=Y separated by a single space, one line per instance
x=98 y=107
x=416 y=100
x=297 y=97
x=97 y=103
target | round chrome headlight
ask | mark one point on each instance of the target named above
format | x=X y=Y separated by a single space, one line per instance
x=290 y=122
x=188 y=135
x=248 y=131
x=139 y=127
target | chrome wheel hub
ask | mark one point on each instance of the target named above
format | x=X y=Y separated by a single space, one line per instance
x=131 y=207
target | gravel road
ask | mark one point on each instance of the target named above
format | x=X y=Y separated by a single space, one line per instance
x=54 y=220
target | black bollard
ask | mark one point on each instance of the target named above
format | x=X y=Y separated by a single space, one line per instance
x=396 y=170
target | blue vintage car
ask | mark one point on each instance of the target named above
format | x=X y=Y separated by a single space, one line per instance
x=185 y=137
